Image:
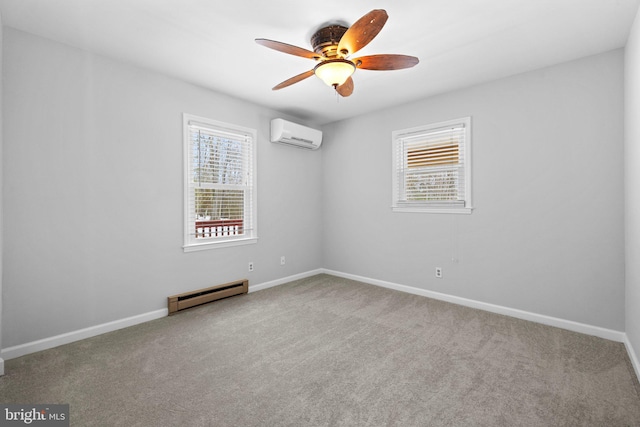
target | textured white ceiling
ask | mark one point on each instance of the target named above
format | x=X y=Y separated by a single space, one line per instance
x=211 y=42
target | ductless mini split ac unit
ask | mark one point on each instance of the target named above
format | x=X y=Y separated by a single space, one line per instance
x=285 y=132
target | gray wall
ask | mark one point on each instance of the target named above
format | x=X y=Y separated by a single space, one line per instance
x=93 y=192
x=632 y=183
x=547 y=234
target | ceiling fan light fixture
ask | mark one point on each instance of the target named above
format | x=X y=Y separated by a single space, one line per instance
x=334 y=72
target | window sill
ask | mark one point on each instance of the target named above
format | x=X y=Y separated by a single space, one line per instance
x=219 y=244
x=439 y=210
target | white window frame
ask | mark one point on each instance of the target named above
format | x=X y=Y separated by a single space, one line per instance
x=250 y=234
x=399 y=162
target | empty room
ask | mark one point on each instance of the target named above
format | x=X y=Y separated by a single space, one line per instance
x=320 y=214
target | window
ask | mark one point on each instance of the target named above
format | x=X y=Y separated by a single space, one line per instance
x=219 y=184
x=432 y=168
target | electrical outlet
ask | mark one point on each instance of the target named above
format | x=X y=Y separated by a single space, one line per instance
x=439 y=272
x=282 y=260
x=250 y=266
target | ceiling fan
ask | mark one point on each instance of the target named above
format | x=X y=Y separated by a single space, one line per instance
x=333 y=47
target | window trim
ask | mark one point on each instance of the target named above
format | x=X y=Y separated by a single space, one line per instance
x=227 y=241
x=443 y=207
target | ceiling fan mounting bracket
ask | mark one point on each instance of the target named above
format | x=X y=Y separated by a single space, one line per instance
x=325 y=40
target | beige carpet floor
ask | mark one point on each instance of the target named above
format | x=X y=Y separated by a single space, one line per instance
x=326 y=351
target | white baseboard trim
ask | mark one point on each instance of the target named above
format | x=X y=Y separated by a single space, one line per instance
x=633 y=356
x=69 y=337
x=519 y=314
x=282 y=281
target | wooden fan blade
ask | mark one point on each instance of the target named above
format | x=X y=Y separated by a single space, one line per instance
x=287 y=48
x=346 y=88
x=385 y=62
x=294 y=79
x=362 y=32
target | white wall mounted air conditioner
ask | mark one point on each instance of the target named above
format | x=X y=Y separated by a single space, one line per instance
x=285 y=132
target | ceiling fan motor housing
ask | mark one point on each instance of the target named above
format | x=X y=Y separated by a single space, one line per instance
x=325 y=40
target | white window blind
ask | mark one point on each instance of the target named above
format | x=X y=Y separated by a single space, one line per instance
x=219 y=183
x=431 y=167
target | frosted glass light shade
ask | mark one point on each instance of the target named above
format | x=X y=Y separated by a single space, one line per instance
x=335 y=72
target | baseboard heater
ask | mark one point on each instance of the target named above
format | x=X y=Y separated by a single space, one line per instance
x=203 y=296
